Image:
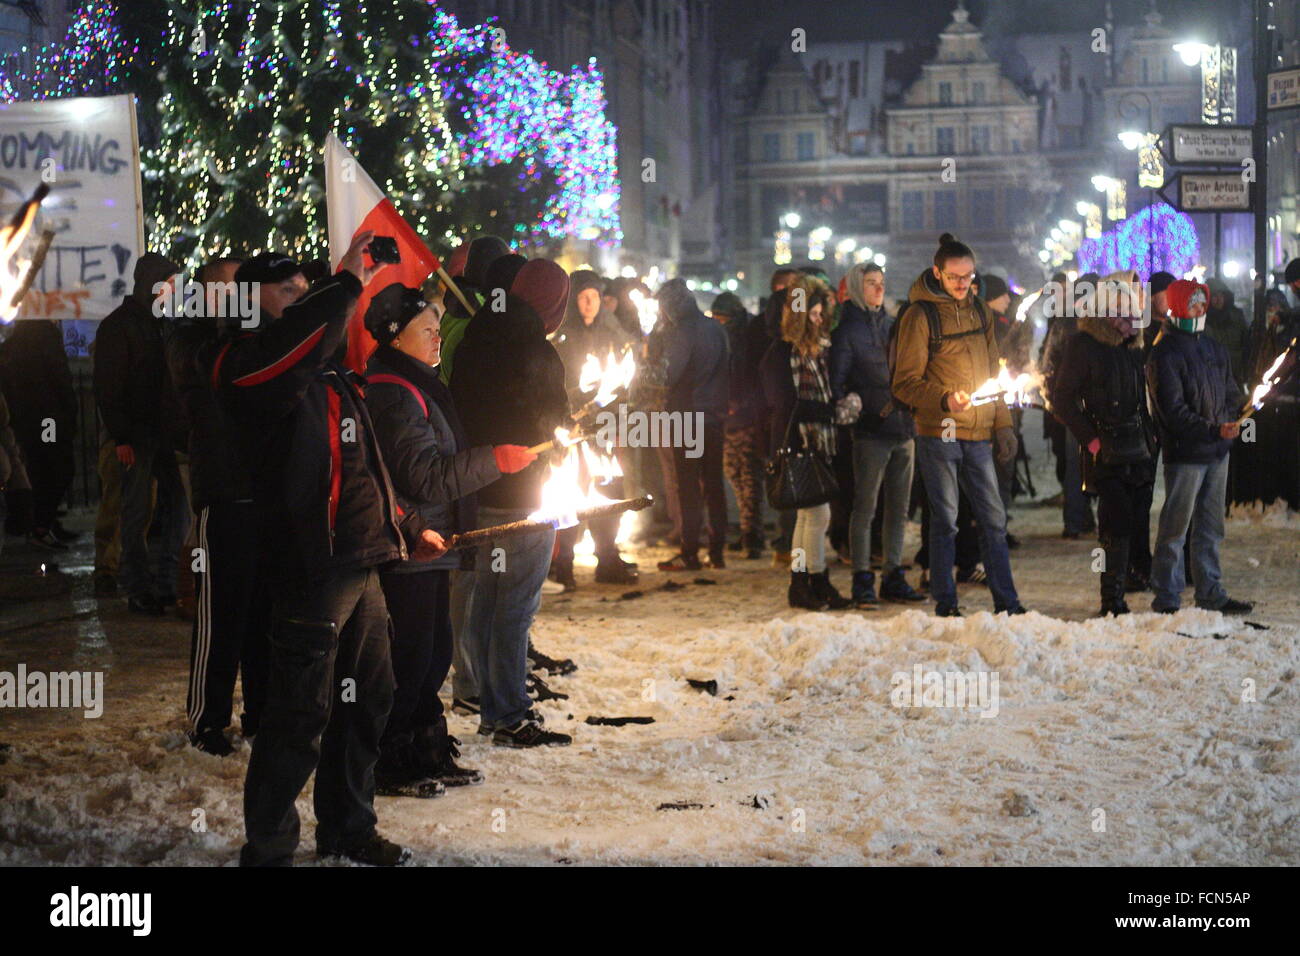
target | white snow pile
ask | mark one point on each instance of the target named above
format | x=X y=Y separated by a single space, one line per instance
x=1147 y=739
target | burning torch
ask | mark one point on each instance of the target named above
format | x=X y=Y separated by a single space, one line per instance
x=1271 y=376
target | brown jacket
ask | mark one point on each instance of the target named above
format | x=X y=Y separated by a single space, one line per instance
x=922 y=380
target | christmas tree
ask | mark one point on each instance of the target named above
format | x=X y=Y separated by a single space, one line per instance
x=94 y=59
x=250 y=90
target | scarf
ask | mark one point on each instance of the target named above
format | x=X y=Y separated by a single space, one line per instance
x=812 y=383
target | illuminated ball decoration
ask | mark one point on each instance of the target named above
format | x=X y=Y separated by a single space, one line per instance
x=1155 y=238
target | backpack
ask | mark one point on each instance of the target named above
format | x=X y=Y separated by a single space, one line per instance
x=937 y=335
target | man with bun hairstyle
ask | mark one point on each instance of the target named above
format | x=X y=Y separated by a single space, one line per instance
x=329 y=522
x=946 y=348
x=1196 y=401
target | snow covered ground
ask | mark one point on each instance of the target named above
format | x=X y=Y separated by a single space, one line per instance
x=1144 y=740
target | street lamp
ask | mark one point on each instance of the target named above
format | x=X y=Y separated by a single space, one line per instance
x=791 y=220
x=1218 y=78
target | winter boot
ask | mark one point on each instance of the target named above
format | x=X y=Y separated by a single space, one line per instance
x=801 y=593
x=864 y=590
x=373 y=851
x=398 y=773
x=437 y=752
x=562 y=573
x=896 y=589
x=822 y=587
x=1112 y=577
x=615 y=570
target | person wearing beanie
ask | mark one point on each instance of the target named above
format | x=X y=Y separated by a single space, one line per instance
x=140 y=412
x=1196 y=401
x=478 y=258
x=743 y=440
x=1226 y=324
x=508 y=388
x=1101 y=396
x=435 y=472
x=1076 y=508
x=589 y=330
x=696 y=377
x=945 y=350
x=883 y=436
x=329 y=521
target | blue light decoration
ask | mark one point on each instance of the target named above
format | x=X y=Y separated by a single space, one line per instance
x=1153 y=239
x=517 y=108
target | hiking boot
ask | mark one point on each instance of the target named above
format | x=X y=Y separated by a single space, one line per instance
x=1231 y=606
x=529 y=733
x=617 y=571
x=864 y=590
x=554 y=668
x=822 y=587
x=438 y=752
x=465 y=706
x=417 y=786
x=801 y=593
x=212 y=741
x=374 y=851
x=681 y=562
x=895 y=588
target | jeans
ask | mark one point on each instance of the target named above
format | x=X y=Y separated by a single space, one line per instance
x=699 y=485
x=140 y=576
x=808 y=543
x=501 y=614
x=1194 y=497
x=878 y=461
x=944 y=466
x=328 y=696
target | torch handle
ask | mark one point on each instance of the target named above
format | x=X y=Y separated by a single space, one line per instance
x=544 y=446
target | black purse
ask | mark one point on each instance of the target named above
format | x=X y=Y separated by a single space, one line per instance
x=1123 y=444
x=798 y=479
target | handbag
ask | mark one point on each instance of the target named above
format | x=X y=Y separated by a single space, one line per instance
x=798 y=479
x=1123 y=444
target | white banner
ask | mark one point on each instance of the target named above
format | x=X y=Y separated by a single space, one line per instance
x=86 y=150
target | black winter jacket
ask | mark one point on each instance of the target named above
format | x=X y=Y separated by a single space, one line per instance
x=1193 y=391
x=1100 y=385
x=434 y=470
x=508 y=385
x=322 y=492
x=859 y=362
x=133 y=390
x=781 y=400
x=696 y=355
x=748 y=342
x=37 y=381
x=218 y=472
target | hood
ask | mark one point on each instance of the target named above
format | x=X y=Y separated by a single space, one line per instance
x=518 y=323
x=926 y=288
x=1107 y=334
x=544 y=286
x=150 y=269
x=853 y=285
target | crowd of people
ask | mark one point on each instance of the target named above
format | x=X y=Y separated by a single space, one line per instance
x=312 y=505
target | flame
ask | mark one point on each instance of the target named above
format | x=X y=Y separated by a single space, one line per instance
x=574 y=483
x=11 y=237
x=607 y=378
x=647 y=310
x=1014 y=389
x=1269 y=378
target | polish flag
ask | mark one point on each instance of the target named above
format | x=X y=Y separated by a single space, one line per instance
x=354 y=204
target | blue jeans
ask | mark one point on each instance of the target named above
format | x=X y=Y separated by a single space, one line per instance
x=1194 y=496
x=507 y=594
x=878 y=461
x=1076 y=508
x=943 y=465
x=463 y=684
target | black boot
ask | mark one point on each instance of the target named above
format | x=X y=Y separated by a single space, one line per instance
x=801 y=592
x=398 y=773
x=437 y=752
x=753 y=544
x=1113 y=577
x=822 y=587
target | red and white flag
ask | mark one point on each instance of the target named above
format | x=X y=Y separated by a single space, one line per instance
x=354 y=204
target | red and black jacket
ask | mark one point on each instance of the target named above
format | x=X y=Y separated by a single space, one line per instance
x=321 y=488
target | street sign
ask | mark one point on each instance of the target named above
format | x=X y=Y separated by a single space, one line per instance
x=1283 y=89
x=1208 y=145
x=1213 y=192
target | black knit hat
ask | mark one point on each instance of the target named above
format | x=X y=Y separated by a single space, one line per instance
x=992 y=286
x=729 y=304
x=391 y=309
x=1160 y=281
x=268 y=268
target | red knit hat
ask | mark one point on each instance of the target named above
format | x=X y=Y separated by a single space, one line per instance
x=1180 y=295
x=544 y=286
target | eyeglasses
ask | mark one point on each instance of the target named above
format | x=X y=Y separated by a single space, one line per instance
x=960 y=280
